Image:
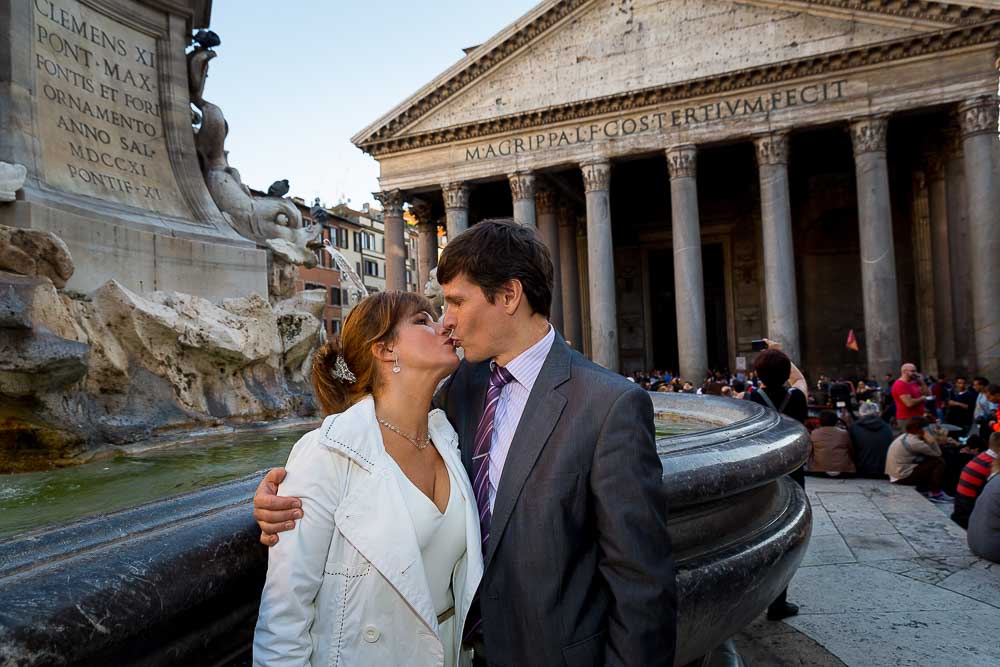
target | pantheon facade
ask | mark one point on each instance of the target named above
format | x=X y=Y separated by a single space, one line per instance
x=706 y=173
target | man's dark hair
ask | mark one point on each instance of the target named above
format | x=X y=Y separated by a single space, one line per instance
x=493 y=252
x=993 y=390
x=773 y=368
x=828 y=418
x=960 y=377
x=981 y=380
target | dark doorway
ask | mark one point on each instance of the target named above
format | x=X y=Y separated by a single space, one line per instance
x=663 y=312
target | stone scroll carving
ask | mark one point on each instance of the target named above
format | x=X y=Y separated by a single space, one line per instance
x=12 y=177
x=272 y=222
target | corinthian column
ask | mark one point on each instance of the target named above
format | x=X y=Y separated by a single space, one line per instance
x=456 y=208
x=601 y=264
x=978 y=118
x=522 y=190
x=959 y=248
x=548 y=229
x=395 y=251
x=689 y=286
x=779 y=250
x=941 y=239
x=878 y=258
x=570 y=275
x=427 y=246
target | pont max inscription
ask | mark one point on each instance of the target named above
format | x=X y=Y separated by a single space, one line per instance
x=99 y=117
x=663 y=121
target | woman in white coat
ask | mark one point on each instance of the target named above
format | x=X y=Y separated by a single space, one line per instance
x=386 y=557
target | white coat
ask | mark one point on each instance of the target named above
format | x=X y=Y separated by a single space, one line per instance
x=347 y=585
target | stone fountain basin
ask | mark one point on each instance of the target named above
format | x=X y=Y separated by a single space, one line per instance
x=179 y=580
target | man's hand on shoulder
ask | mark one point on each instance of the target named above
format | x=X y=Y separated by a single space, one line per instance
x=274 y=513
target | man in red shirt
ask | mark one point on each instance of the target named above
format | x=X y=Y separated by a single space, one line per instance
x=971 y=482
x=909 y=392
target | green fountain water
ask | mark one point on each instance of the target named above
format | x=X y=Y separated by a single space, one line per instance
x=35 y=500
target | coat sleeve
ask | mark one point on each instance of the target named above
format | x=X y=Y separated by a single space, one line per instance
x=296 y=563
x=631 y=519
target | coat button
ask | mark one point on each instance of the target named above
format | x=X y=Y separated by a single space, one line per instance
x=372 y=634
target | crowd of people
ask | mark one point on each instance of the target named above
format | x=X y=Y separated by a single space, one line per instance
x=940 y=435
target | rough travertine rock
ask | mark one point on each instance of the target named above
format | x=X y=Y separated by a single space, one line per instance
x=81 y=371
x=35 y=253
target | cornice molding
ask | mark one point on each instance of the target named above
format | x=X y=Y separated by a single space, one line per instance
x=730 y=82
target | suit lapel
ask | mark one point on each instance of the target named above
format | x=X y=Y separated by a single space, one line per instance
x=541 y=413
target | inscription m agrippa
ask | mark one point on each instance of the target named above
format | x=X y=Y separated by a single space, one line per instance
x=662 y=121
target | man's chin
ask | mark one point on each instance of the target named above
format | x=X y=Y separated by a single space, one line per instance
x=472 y=357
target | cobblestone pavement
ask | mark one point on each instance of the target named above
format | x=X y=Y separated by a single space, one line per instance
x=887 y=580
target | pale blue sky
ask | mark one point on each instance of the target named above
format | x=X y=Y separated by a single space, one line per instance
x=297 y=79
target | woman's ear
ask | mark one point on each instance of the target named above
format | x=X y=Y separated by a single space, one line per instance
x=381 y=351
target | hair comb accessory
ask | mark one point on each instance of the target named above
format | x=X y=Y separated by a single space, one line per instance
x=342 y=372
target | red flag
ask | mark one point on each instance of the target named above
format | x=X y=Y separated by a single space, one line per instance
x=852 y=341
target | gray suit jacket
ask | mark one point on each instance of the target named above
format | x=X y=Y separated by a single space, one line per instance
x=578 y=568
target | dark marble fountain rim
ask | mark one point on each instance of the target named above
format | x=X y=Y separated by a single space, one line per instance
x=701 y=466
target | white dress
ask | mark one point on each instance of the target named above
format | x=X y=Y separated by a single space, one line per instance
x=442 y=543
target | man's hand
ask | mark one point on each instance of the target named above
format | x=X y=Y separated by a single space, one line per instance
x=274 y=513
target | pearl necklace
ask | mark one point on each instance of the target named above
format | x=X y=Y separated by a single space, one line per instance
x=419 y=443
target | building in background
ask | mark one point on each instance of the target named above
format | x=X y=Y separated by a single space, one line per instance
x=325 y=274
x=797 y=170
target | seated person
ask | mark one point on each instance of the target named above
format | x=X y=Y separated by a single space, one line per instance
x=830 y=451
x=971 y=482
x=914 y=459
x=870 y=438
x=984 y=523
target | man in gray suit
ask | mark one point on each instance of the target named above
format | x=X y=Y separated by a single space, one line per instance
x=561 y=452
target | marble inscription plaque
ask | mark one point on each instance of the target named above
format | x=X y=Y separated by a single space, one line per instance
x=99 y=117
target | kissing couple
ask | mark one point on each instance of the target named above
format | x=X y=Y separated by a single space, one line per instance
x=512 y=515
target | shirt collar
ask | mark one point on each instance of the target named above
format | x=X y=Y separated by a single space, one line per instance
x=526 y=366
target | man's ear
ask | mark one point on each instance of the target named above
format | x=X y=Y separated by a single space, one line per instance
x=510 y=295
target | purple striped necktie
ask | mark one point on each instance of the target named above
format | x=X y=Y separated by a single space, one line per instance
x=481 y=452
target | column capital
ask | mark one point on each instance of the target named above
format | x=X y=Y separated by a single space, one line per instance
x=978 y=116
x=545 y=201
x=596 y=174
x=772 y=148
x=682 y=161
x=522 y=185
x=456 y=195
x=868 y=134
x=421 y=211
x=392 y=202
x=566 y=217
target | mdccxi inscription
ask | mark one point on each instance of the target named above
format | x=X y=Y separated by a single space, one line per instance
x=661 y=121
x=100 y=121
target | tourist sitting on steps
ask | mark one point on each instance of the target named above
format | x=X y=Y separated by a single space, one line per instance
x=972 y=480
x=984 y=524
x=915 y=459
x=870 y=438
x=830 y=449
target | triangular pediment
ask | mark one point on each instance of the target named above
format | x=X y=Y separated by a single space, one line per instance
x=565 y=52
